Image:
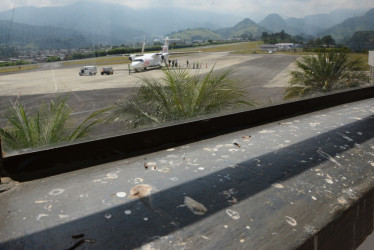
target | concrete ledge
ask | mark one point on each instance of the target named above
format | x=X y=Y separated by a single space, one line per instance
x=305 y=182
x=348 y=229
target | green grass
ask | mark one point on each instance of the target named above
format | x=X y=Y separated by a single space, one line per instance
x=203 y=34
x=241 y=47
x=363 y=57
x=18 y=68
x=99 y=61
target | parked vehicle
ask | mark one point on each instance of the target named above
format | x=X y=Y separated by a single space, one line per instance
x=107 y=71
x=88 y=71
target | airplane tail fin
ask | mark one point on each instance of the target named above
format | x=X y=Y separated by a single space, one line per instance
x=143 y=45
x=165 y=48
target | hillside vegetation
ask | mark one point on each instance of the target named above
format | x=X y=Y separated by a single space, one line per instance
x=40 y=37
x=196 y=34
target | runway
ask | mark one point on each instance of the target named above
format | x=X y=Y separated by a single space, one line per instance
x=264 y=76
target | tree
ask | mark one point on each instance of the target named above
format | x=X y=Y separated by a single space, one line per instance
x=265 y=37
x=178 y=95
x=47 y=125
x=323 y=73
x=328 y=40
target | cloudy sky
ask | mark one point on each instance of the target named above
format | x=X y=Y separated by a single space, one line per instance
x=247 y=8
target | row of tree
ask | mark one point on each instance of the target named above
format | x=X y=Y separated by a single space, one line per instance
x=280 y=37
x=283 y=37
x=326 y=41
x=16 y=63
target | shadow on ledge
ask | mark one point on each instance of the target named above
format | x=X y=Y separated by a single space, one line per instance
x=164 y=212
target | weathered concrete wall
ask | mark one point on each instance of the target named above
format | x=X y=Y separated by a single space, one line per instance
x=371 y=64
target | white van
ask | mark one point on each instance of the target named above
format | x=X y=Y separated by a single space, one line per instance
x=88 y=71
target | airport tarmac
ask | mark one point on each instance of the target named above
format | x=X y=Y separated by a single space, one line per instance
x=264 y=76
x=57 y=80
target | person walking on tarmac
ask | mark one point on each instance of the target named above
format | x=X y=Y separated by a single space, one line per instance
x=129 y=68
x=187 y=63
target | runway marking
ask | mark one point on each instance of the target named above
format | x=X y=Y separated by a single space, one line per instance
x=54 y=80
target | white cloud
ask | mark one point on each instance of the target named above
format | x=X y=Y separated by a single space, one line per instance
x=295 y=8
x=6 y=4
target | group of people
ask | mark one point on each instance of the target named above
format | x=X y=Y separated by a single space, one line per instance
x=174 y=64
x=195 y=65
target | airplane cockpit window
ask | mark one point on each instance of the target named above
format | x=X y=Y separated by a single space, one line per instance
x=202 y=59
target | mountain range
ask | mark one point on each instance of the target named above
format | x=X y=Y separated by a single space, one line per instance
x=309 y=25
x=118 y=22
x=38 y=37
x=87 y=23
x=345 y=30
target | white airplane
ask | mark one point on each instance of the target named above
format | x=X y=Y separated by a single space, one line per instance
x=144 y=61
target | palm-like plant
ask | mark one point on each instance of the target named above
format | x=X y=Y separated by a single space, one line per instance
x=179 y=95
x=325 y=72
x=47 y=125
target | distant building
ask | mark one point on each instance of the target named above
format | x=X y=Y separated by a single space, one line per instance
x=269 y=47
x=285 y=46
x=281 y=47
x=371 y=64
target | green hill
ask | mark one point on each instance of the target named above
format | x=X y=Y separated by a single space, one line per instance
x=195 y=34
x=274 y=23
x=245 y=27
x=361 y=40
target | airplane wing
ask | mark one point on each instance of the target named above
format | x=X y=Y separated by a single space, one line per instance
x=178 y=53
x=187 y=52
